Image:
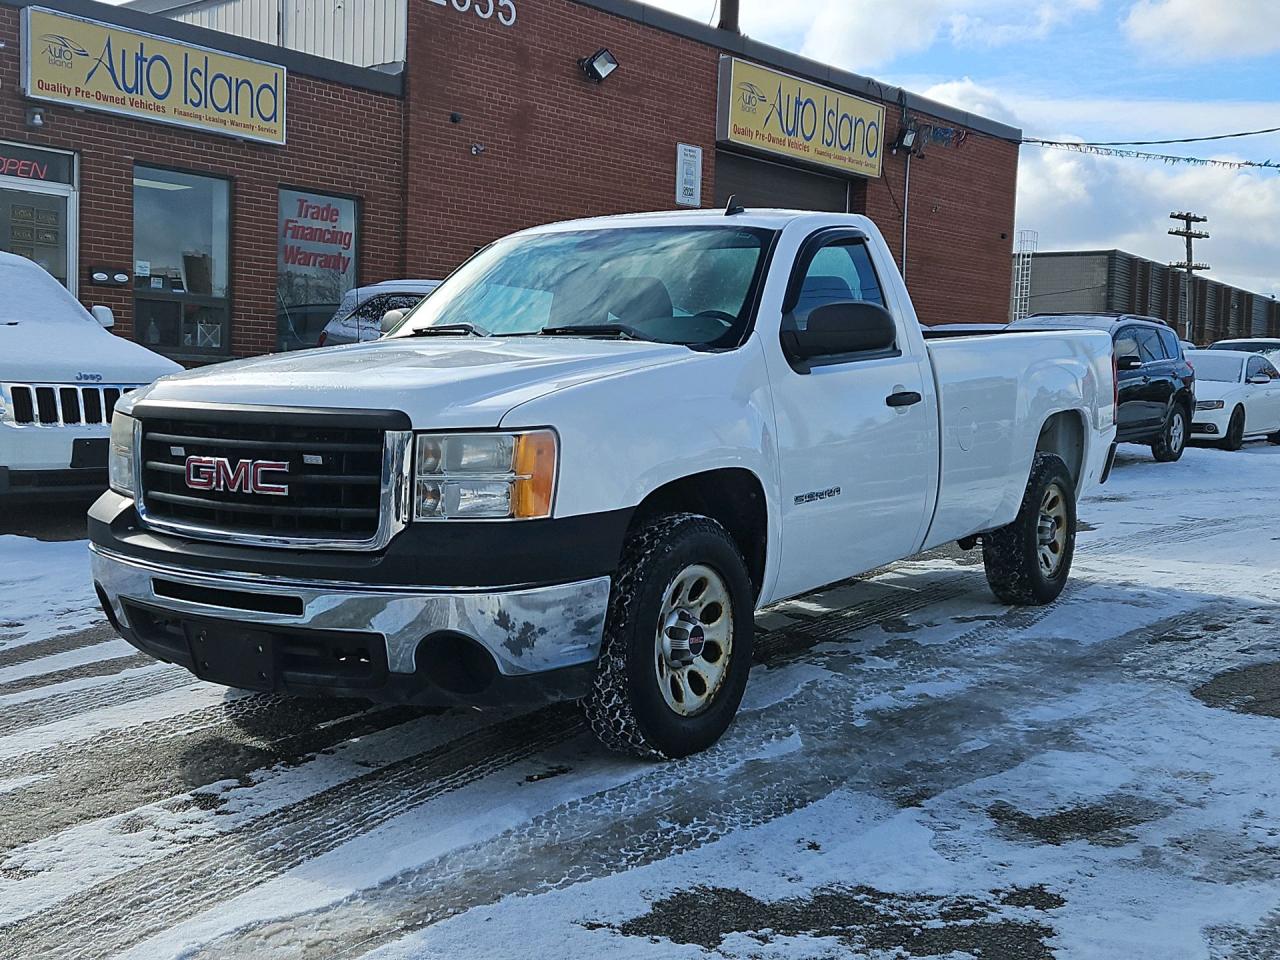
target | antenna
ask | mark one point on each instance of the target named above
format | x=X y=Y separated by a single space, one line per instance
x=734 y=207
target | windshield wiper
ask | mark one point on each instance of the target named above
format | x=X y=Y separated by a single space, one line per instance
x=619 y=331
x=451 y=329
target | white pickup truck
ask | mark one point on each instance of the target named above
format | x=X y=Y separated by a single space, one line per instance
x=579 y=467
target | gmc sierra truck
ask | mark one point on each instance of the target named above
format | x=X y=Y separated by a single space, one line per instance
x=579 y=467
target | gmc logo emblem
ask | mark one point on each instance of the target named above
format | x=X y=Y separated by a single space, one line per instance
x=247 y=476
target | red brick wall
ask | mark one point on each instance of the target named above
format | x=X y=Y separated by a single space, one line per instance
x=558 y=146
x=341 y=139
x=960 y=223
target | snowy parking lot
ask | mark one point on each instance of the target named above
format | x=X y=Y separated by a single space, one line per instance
x=917 y=771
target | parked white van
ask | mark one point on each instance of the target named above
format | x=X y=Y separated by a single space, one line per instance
x=61 y=374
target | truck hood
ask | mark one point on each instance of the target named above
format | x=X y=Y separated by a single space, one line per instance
x=440 y=382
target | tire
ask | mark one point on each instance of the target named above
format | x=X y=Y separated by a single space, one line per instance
x=1234 y=438
x=1012 y=555
x=1172 y=441
x=649 y=654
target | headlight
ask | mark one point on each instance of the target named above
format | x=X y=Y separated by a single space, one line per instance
x=120 y=456
x=484 y=476
x=1210 y=404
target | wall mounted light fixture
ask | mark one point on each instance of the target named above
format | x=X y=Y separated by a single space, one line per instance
x=599 y=65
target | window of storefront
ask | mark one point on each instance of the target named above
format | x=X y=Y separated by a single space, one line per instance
x=315 y=263
x=38 y=208
x=181 y=262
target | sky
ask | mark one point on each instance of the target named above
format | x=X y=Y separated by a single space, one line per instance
x=1087 y=70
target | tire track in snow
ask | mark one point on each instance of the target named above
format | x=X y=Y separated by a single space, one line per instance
x=154 y=761
x=145 y=901
x=23 y=652
x=94 y=668
x=61 y=706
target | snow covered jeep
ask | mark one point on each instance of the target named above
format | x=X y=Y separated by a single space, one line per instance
x=61 y=376
x=579 y=466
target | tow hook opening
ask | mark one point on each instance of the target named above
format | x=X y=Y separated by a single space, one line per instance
x=456 y=663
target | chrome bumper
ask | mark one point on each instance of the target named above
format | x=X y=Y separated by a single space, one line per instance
x=526 y=630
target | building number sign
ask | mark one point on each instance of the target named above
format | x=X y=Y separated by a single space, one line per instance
x=484 y=9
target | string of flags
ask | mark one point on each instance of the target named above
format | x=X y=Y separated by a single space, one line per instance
x=1105 y=151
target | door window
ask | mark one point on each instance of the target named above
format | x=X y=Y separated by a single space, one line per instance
x=838 y=273
x=1149 y=347
x=34 y=225
x=1127 y=343
x=181 y=253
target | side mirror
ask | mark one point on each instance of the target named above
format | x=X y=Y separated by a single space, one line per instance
x=1259 y=379
x=106 y=319
x=1130 y=361
x=835 y=329
x=391 y=319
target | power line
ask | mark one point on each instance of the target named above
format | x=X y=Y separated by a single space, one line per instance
x=1072 y=146
x=1158 y=143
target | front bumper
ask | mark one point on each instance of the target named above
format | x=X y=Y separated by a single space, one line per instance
x=418 y=645
x=1211 y=424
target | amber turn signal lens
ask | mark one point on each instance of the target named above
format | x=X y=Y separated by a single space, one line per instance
x=535 y=469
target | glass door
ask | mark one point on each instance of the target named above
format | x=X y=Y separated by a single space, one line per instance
x=35 y=225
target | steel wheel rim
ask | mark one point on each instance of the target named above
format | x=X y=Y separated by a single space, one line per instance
x=694 y=642
x=1177 y=433
x=1051 y=531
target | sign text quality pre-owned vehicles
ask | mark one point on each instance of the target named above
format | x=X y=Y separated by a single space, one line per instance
x=100 y=66
x=577 y=468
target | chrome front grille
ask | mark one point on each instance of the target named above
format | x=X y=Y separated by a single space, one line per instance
x=60 y=405
x=345 y=482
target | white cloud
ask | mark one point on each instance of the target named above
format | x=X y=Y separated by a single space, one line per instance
x=865 y=34
x=1083 y=202
x=1199 y=30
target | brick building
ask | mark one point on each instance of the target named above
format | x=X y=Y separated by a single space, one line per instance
x=427 y=132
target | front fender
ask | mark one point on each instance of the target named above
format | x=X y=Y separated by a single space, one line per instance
x=625 y=435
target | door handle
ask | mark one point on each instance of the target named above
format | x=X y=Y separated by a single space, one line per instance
x=904 y=398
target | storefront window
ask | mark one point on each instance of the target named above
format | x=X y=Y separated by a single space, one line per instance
x=38 y=208
x=181 y=265
x=315 y=263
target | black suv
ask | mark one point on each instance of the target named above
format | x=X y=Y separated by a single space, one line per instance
x=1157 y=383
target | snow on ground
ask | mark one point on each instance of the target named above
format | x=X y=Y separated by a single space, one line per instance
x=45 y=590
x=917 y=771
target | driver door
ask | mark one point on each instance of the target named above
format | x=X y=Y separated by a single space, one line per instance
x=858 y=450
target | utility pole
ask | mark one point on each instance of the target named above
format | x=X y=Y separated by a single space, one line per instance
x=1189 y=265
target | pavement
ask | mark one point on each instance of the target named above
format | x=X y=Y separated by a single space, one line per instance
x=917 y=771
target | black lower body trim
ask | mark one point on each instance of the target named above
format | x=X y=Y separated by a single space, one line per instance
x=450 y=553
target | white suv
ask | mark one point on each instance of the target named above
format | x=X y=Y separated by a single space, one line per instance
x=61 y=374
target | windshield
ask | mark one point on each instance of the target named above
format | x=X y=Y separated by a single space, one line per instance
x=688 y=285
x=1220 y=369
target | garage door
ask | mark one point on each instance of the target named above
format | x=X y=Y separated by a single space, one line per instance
x=758 y=183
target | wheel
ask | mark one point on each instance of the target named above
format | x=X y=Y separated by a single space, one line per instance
x=1234 y=438
x=1172 y=441
x=677 y=641
x=1028 y=561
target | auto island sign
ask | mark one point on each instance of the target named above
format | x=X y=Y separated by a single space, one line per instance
x=784 y=115
x=99 y=66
